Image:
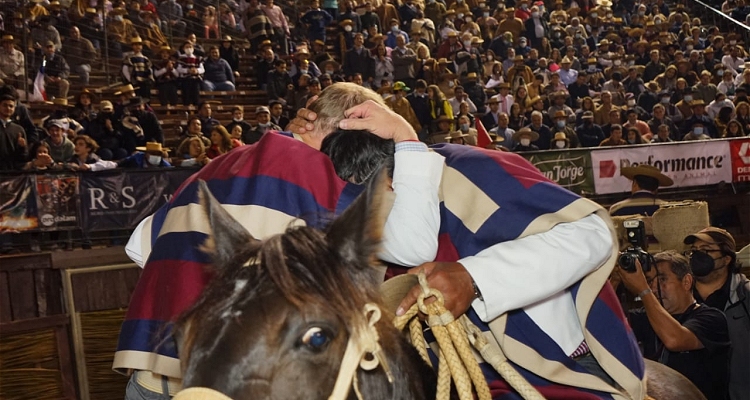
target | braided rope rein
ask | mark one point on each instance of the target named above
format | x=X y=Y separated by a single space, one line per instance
x=456 y=361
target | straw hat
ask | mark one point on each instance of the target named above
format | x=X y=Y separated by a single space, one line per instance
x=525 y=131
x=106 y=105
x=125 y=89
x=153 y=147
x=136 y=40
x=59 y=101
x=560 y=114
x=455 y=135
x=471 y=75
x=118 y=11
x=646 y=170
x=444 y=118
x=561 y=136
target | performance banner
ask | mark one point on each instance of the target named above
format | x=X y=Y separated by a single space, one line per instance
x=740 y=151
x=57 y=202
x=570 y=169
x=121 y=199
x=697 y=163
x=18 y=211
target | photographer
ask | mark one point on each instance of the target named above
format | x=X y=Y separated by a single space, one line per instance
x=672 y=328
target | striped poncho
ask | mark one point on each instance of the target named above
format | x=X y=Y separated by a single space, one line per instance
x=489 y=197
x=267 y=187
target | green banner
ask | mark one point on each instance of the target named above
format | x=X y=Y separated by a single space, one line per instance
x=571 y=169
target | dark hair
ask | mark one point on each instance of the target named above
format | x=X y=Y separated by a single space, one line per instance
x=358 y=155
x=678 y=263
x=615 y=127
x=646 y=182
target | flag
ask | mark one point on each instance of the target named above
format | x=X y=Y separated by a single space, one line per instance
x=483 y=138
x=38 y=93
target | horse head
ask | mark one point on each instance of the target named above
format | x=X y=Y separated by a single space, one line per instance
x=277 y=317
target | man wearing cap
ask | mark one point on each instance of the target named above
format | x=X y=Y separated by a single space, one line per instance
x=589 y=133
x=401 y=106
x=646 y=181
x=673 y=329
x=79 y=52
x=263 y=117
x=11 y=62
x=720 y=284
x=61 y=149
x=55 y=69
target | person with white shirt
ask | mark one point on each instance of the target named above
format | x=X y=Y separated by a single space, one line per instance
x=733 y=61
x=459 y=96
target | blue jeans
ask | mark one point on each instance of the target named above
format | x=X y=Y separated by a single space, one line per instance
x=134 y=391
x=225 y=86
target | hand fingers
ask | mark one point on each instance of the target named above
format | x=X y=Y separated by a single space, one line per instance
x=353 y=123
x=363 y=110
x=409 y=300
x=310 y=101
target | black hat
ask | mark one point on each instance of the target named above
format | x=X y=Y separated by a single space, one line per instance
x=136 y=101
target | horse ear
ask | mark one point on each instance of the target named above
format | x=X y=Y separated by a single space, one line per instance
x=227 y=235
x=357 y=233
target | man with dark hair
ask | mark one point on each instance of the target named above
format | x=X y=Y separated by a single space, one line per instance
x=218 y=75
x=279 y=82
x=13 y=144
x=238 y=118
x=720 y=284
x=646 y=181
x=674 y=329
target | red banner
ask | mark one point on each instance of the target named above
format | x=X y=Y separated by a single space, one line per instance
x=740 y=152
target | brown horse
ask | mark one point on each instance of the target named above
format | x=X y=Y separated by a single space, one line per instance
x=276 y=319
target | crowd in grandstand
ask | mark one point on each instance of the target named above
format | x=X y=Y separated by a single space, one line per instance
x=534 y=75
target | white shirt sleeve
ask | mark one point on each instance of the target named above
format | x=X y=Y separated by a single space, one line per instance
x=101 y=165
x=522 y=272
x=416 y=179
x=139 y=244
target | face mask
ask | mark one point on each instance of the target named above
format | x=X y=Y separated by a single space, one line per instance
x=732 y=42
x=631 y=103
x=118 y=18
x=237 y=119
x=189 y=52
x=489 y=58
x=394 y=28
x=631 y=141
x=560 y=124
x=594 y=15
x=465 y=127
x=688 y=47
x=665 y=100
x=618 y=62
x=468 y=20
x=578 y=36
x=525 y=141
x=560 y=144
x=524 y=7
x=303 y=71
x=467 y=43
x=329 y=72
x=486 y=14
x=451 y=84
x=263 y=125
x=701 y=263
x=348 y=28
x=154 y=160
x=688 y=98
x=592 y=68
x=523 y=44
x=720 y=72
x=641 y=13
x=431 y=1
x=460 y=15
x=698 y=130
x=189 y=6
x=535 y=14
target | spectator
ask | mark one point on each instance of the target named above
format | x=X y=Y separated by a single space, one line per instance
x=140 y=126
x=79 y=52
x=660 y=118
x=166 y=77
x=218 y=74
x=137 y=69
x=615 y=137
x=401 y=105
x=150 y=156
x=12 y=62
x=263 y=116
x=561 y=126
x=734 y=129
x=41 y=160
x=456 y=137
x=83 y=111
x=210 y=22
x=259 y=28
x=350 y=14
x=61 y=149
x=403 y=62
x=691 y=338
x=590 y=134
x=104 y=130
x=279 y=82
x=45 y=32
x=55 y=70
x=228 y=52
x=420 y=103
x=85 y=158
x=277 y=114
x=13 y=143
x=316 y=21
x=205 y=113
x=544 y=134
x=265 y=64
x=238 y=119
x=279 y=24
x=634 y=122
x=195 y=156
x=193 y=130
x=523 y=139
x=720 y=101
x=190 y=69
x=705 y=90
x=171 y=14
x=698 y=108
x=370 y=18
x=221 y=142
x=633 y=136
x=464 y=127
x=662 y=134
x=459 y=97
x=393 y=33
x=359 y=61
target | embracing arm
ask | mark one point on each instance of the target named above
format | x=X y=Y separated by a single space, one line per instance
x=518 y=273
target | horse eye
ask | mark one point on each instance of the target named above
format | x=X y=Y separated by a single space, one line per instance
x=316 y=338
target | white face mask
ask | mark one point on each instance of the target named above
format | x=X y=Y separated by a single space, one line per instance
x=303 y=71
x=237 y=119
x=451 y=84
x=154 y=160
x=525 y=141
x=189 y=51
x=460 y=15
x=631 y=103
x=688 y=98
x=535 y=14
x=618 y=62
x=698 y=130
x=489 y=57
x=467 y=43
x=689 y=47
x=560 y=144
x=118 y=17
x=348 y=28
x=594 y=15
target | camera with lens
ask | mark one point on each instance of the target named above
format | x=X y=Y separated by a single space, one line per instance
x=636 y=234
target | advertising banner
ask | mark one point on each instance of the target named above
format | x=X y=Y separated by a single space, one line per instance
x=740 y=151
x=696 y=163
x=121 y=199
x=57 y=201
x=570 y=169
x=17 y=204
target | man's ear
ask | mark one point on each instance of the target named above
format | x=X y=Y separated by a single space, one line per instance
x=688 y=282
